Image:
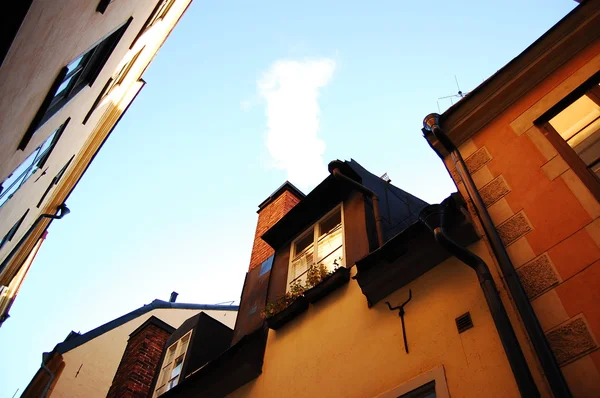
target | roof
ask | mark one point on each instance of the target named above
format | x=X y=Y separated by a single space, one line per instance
x=555 y=47
x=153 y=320
x=410 y=254
x=403 y=210
x=76 y=341
x=286 y=186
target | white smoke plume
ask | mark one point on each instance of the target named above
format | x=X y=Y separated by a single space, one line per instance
x=291 y=90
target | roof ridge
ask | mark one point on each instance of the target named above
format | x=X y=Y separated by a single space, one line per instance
x=75 y=342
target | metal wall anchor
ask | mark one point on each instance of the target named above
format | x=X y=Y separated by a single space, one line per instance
x=401 y=313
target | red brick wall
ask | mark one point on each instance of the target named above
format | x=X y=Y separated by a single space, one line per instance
x=267 y=217
x=139 y=363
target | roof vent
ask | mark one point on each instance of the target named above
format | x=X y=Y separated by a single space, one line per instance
x=464 y=322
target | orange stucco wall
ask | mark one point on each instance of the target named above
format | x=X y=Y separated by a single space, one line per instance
x=549 y=218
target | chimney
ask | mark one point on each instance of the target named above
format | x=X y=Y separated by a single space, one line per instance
x=141 y=360
x=173 y=297
x=269 y=212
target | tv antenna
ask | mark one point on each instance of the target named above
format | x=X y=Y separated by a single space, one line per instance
x=460 y=95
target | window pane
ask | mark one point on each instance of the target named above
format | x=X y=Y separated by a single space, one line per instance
x=330 y=248
x=425 y=391
x=299 y=267
x=575 y=117
x=164 y=376
x=171 y=353
x=330 y=223
x=63 y=86
x=304 y=242
x=177 y=368
x=17 y=178
x=579 y=125
x=75 y=63
x=41 y=152
x=183 y=345
x=175 y=373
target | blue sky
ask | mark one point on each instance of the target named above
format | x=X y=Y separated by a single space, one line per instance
x=243 y=96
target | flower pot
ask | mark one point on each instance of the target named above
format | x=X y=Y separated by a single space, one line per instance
x=293 y=310
x=340 y=277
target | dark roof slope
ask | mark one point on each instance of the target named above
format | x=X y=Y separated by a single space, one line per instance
x=399 y=209
x=76 y=341
x=286 y=186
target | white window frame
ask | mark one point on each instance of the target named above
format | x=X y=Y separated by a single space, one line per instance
x=315 y=231
x=437 y=374
x=167 y=368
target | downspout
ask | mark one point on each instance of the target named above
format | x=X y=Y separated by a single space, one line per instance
x=62 y=211
x=436 y=219
x=366 y=191
x=555 y=378
x=47 y=388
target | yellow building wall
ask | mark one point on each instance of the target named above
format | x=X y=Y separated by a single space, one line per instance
x=90 y=368
x=341 y=348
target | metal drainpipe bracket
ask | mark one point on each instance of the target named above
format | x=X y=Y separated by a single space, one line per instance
x=401 y=313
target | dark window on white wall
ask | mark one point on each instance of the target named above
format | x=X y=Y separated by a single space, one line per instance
x=112 y=82
x=32 y=164
x=80 y=72
x=103 y=5
x=55 y=181
x=12 y=232
x=158 y=14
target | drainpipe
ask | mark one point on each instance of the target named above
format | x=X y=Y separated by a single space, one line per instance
x=436 y=219
x=47 y=388
x=63 y=210
x=366 y=191
x=555 y=378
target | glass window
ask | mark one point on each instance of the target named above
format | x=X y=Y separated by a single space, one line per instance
x=328 y=250
x=305 y=242
x=172 y=365
x=30 y=165
x=12 y=232
x=80 y=72
x=579 y=125
x=425 y=391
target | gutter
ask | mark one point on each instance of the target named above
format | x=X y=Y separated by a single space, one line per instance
x=435 y=217
x=62 y=211
x=337 y=173
x=47 y=388
x=550 y=367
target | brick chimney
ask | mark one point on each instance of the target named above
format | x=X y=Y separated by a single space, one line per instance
x=269 y=212
x=141 y=360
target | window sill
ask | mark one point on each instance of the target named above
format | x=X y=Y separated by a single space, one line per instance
x=337 y=279
x=332 y=282
x=292 y=311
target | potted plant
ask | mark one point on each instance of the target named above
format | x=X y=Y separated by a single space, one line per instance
x=286 y=308
x=320 y=282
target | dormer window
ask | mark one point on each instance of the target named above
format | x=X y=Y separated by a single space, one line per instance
x=170 y=373
x=322 y=243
